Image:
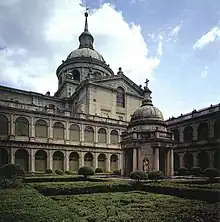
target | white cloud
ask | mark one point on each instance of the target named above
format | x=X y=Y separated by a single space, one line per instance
x=136 y=1
x=207 y=38
x=160 y=45
x=204 y=73
x=121 y=44
x=174 y=32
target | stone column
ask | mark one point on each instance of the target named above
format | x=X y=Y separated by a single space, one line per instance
x=181 y=155
x=108 y=137
x=81 y=159
x=82 y=133
x=12 y=127
x=95 y=161
x=171 y=162
x=66 y=161
x=122 y=163
x=12 y=156
x=96 y=135
x=195 y=159
x=195 y=132
x=156 y=159
x=32 y=161
x=66 y=133
x=181 y=135
x=50 y=130
x=119 y=165
x=139 y=166
x=50 y=160
x=211 y=128
x=32 y=133
x=134 y=159
x=108 y=166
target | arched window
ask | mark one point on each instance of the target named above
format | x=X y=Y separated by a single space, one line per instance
x=74 y=132
x=188 y=134
x=76 y=74
x=41 y=128
x=89 y=134
x=120 y=97
x=58 y=131
x=176 y=135
x=88 y=159
x=114 y=137
x=203 y=131
x=3 y=125
x=217 y=129
x=102 y=136
x=21 y=127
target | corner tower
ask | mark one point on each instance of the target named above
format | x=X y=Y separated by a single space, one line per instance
x=82 y=63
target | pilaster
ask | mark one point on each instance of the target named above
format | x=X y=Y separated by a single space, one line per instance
x=108 y=166
x=156 y=158
x=66 y=161
x=50 y=160
x=134 y=159
x=32 y=161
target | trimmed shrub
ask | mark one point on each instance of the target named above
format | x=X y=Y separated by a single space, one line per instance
x=86 y=171
x=11 y=171
x=49 y=171
x=59 y=172
x=195 y=171
x=183 y=171
x=211 y=173
x=98 y=170
x=155 y=175
x=11 y=183
x=68 y=172
x=138 y=175
x=117 y=172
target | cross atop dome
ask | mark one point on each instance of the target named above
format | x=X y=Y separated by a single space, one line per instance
x=146 y=82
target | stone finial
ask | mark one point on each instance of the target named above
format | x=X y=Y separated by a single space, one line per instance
x=120 y=71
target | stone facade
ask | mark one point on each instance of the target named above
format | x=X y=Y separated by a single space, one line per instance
x=197 y=137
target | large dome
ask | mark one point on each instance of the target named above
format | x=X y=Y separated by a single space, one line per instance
x=147 y=112
x=86 y=52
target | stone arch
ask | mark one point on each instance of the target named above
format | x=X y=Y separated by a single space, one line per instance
x=113 y=162
x=74 y=132
x=74 y=161
x=120 y=98
x=3 y=124
x=176 y=134
x=217 y=129
x=203 y=159
x=102 y=135
x=40 y=161
x=188 y=134
x=58 y=131
x=188 y=160
x=176 y=161
x=58 y=160
x=88 y=159
x=114 y=137
x=76 y=74
x=21 y=127
x=89 y=134
x=203 y=131
x=22 y=158
x=102 y=162
x=41 y=128
x=217 y=159
x=3 y=156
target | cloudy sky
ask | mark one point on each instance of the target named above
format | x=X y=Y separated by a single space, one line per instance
x=176 y=44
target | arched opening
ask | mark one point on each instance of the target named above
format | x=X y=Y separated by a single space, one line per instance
x=203 y=131
x=41 y=128
x=188 y=134
x=21 y=127
x=74 y=132
x=74 y=161
x=102 y=162
x=102 y=136
x=3 y=125
x=217 y=129
x=88 y=158
x=176 y=162
x=188 y=160
x=58 y=131
x=89 y=134
x=120 y=98
x=76 y=75
x=203 y=159
x=176 y=135
x=3 y=156
x=114 y=137
x=40 y=161
x=113 y=162
x=22 y=159
x=217 y=159
x=58 y=160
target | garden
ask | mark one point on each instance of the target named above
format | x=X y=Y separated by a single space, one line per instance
x=91 y=199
